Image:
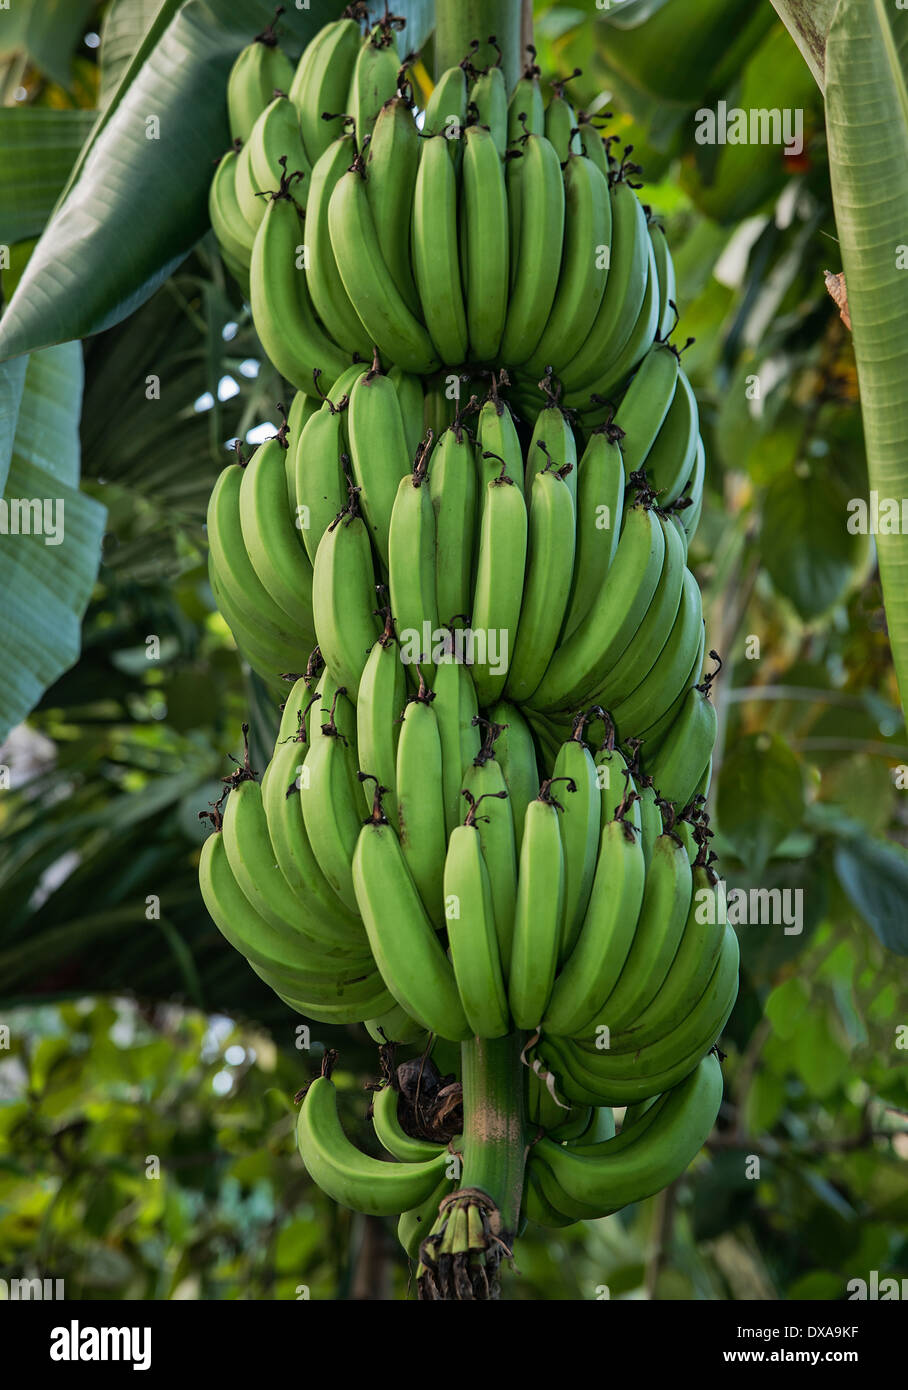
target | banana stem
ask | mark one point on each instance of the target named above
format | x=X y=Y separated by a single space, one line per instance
x=494 y=1136
x=459 y=22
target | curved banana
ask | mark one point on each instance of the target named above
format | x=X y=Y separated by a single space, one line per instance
x=682 y=757
x=436 y=253
x=580 y=831
x=323 y=278
x=485 y=243
x=392 y=164
x=484 y=778
x=470 y=918
x=382 y=692
x=349 y=1176
x=406 y=949
x=390 y=324
x=419 y=785
x=411 y=569
x=515 y=750
x=331 y=800
x=259 y=68
x=489 y=96
x=600 y=506
x=344 y=598
x=271 y=536
x=320 y=489
x=538 y=913
x=593 y=967
x=391 y=1134
x=646 y=404
x=282 y=312
x=498 y=588
x=581 y=663
x=672 y=458
x=379 y=451
x=584 y=266
x=276 y=133
x=549 y=566
x=542 y=228
x=456 y=711
x=455 y=495
x=227 y=221
x=321 y=83
x=373 y=81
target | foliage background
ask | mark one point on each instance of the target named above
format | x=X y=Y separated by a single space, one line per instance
x=132 y=1036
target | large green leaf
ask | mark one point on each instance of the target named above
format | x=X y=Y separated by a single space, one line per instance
x=867 y=127
x=45 y=586
x=39 y=149
x=125 y=25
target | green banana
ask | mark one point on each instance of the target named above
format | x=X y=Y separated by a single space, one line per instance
x=373 y=81
x=275 y=133
x=631 y=351
x=499 y=443
x=321 y=84
x=584 y=266
x=580 y=830
x=655 y=628
x=635 y=1171
x=272 y=539
x=549 y=565
x=538 y=913
x=689 y=973
x=344 y=598
x=446 y=110
x=682 y=757
x=485 y=778
x=389 y=323
x=454 y=492
x=382 y=692
x=672 y=457
x=326 y=288
x=412 y=401
x=672 y=669
x=595 y=963
x=332 y=807
x=391 y=1134
x=411 y=568
x=349 y=1176
x=237 y=576
x=561 y=122
x=489 y=96
x=665 y=269
x=552 y=439
x=600 y=507
x=538 y=253
x=259 y=68
x=471 y=932
x=320 y=489
x=663 y=915
x=485 y=243
x=392 y=163
x=227 y=221
x=436 y=258
x=498 y=588
x=516 y=752
x=456 y=712
x=645 y=405
x=579 y=666
x=282 y=312
x=420 y=800
x=406 y=949
x=625 y=289
x=379 y=452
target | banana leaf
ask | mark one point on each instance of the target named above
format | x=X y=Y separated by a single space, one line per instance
x=867 y=128
x=45 y=583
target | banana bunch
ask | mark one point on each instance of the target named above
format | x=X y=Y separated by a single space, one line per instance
x=502 y=232
x=578 y=1170
x=484 y=810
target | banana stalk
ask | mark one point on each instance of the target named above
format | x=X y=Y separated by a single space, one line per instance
x=487 y=1201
